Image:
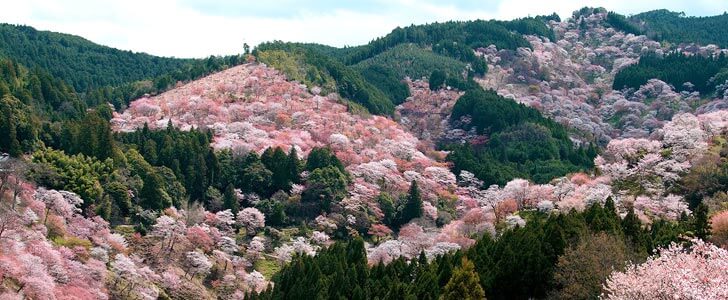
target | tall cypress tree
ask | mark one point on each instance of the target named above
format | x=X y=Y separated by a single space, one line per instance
x=700 y=222
x=230 y=199
x=413 y=205
x=8 y=134
x=293 y=166
x=464 y=283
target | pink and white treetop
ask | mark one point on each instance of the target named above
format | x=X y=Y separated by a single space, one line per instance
x=251 y=218
x=696 y=272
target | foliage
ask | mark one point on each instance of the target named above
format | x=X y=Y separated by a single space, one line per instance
x=520 y=264
x=464 y=283
x=522 y=142
x=675 y=27
x=696 y=271
x=620 y=22
x=479 y=33
x=583 y=268
x=675 y=69
x=105 y=74
x=349 y=83
x=411 y=60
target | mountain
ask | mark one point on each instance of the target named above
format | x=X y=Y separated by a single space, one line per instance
x=78 y=61
x=499 y=159
x=676 y=28
x=99 y=73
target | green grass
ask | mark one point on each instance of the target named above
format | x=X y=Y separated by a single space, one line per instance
x=267 y=267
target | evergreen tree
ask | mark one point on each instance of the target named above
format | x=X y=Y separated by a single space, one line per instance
x=437 y=79
x=8 y=134
x=386 y=204
x=700 y=222
x=413 y=206
x=464 y=283
x=277 y=162
x=230 y=199
x=293 y=166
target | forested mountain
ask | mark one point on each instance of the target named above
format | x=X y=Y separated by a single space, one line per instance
x=675 y=27
x=527 y=159
x=80 y=62
x=99 y=73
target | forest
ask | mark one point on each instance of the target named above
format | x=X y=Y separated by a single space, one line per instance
x=422 y=165
x=521 y=142
x=684 y=72
x=677 y=28
x=549 y=257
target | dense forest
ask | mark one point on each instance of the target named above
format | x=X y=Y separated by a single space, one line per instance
x=549 y=257
x=98 y=73
x=702 y=73
x=370 y=74
x=675 y=27
x=328 y=73
x=521 y=142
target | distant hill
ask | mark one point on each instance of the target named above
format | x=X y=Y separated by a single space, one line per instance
x=80 y=62
x=675 y=27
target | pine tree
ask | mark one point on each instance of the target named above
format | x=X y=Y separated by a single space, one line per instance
x=633 y=232
x=8 y=134
x=293 y=166
x=413 y=205
x=464 y=283
x=230 y=199
x=700 y=222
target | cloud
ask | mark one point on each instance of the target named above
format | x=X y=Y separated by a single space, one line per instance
x=198 y=28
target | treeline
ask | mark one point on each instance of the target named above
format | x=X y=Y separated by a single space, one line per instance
x=620 y=22
x=565 y=256
x=676 y=69
x=471 y=34
x=371 y=74
x=121 y=95
x=521 y=143
x=81 y=63
x=675 y=27
x=99 y=74
x=413 y=61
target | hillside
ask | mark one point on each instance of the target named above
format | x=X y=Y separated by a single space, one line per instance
x=536 y=158
x=80 y=62
x=676 y=28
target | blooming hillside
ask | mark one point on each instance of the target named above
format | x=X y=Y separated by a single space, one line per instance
x=252 y=107
x=570 y=79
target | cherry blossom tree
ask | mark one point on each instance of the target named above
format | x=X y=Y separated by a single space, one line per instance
x=695 y=272
x=197 y=264
x=252 y=219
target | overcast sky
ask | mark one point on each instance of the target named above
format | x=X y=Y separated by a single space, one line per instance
x=198 y=28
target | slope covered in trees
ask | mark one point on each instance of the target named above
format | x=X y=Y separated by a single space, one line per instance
x=534 y=261
x=521 y=143
x=222 y=185
x=316 y=69
x=78 y=61
x=461 y=35
x=701 y=73
x=675 y=27
x=98 y=73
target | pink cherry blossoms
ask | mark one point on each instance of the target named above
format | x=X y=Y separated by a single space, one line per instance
x=696 y=272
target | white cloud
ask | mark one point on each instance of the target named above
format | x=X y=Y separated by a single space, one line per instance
x=170 y=28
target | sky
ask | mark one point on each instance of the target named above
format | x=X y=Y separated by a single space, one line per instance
x=200 y=28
